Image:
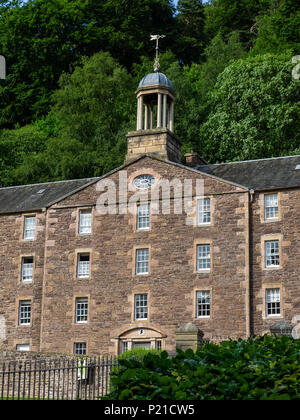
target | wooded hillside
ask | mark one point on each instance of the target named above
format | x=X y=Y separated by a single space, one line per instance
x=73 y=67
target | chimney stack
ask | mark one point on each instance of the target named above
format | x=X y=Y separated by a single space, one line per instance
x=193 y=159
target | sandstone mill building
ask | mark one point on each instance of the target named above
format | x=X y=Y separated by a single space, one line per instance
x=74 y=279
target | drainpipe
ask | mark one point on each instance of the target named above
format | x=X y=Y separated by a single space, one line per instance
x=248 y=261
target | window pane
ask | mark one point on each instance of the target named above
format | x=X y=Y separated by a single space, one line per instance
x=24 y=312
x=124 y=346
x=272 y=254
x=203 y=257
x=271 y=206
x=80 y=348
x=83 y=268
x=273 y=301
x=158 y=345
x=141 y=306
x=85 y=221
x=203 y=303
x=23 y=347
x=143 y=216
x=81 y=314
x=204 y=214
x=142 y=261
x=29 y=227
x=27 y=269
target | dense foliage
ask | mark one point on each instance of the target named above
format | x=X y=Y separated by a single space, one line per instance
x=73 y=66
x=265 y=368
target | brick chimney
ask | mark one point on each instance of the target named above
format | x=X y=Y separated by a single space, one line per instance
x=193 y=159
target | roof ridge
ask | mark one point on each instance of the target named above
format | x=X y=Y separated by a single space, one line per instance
x=47 y=183
x=253 y=160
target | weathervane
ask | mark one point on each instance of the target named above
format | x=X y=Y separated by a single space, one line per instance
x=156 y=38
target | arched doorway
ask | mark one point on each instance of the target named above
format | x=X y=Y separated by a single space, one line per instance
x=147 y=338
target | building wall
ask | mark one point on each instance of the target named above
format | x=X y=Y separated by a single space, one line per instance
x=172 y=283
x=287 y=230
x=12 y=290
x=237 y=304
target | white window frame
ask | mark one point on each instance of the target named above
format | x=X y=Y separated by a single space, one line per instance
x=142 y=261
x=203 y=211
x=27 y=270
x=23 y=347
x=273 y=302
x=124 y=345
x=81 y=310
x=24 y=312
x=143 y=217
x=29 y=228
x=272 y=252
x=85 y=222
x=141 y=307
x=203 y=304
x=203 y=257
x=83 y=266
x=271 y=208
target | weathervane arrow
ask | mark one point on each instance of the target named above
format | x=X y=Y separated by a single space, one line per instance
x=156 y=38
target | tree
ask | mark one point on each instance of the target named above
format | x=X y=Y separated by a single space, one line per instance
x=190 y=22
x=254 y=111
x=40 y=39
x=226 y=16
x=218 y=55
x=92 y=112
x=15 y=146
x=279 y=29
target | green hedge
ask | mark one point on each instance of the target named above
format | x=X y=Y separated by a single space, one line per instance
x=263 y=368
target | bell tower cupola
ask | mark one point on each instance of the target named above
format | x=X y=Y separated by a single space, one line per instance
x=155 y=102
x=155 y=118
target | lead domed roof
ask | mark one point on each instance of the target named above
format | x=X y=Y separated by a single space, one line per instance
x=157 y=78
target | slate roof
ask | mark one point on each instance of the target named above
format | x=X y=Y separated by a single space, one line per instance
x=27 y=198
x=259 y=175
x=263 y=174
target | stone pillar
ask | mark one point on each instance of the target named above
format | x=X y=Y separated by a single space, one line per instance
x=159 y=97
x=151 y=117
x=146 y=117
x=165 y=112
x=171 y=124
x=188 y=337
x=140 y=113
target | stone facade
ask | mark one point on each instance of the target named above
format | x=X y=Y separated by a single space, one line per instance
x=159 y=142
x=237 y=278
x=226 y=297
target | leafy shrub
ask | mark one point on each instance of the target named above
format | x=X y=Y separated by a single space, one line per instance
x=136 y=354
x=263 y=368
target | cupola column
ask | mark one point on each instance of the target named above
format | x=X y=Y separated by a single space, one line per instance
x=165 y=112
x=140 y=113
x=159 y=100
x=146 y=117
x=171 y=121
x=151 y=117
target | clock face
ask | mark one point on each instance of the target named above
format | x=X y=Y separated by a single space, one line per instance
x=143 y=182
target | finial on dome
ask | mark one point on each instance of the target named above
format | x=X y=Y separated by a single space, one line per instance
x=156 y=61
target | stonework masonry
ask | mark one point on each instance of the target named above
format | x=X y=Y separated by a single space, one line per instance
x=237 y=279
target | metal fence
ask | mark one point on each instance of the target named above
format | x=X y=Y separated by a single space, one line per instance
x=82 y=378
